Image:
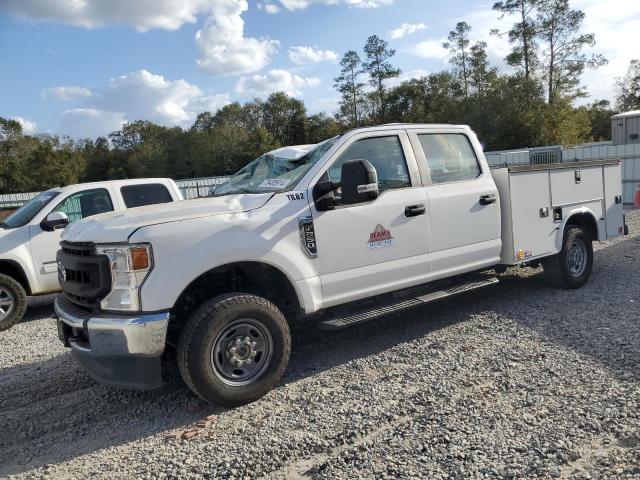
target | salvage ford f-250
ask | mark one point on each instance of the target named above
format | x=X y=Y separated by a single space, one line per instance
x=371 y=222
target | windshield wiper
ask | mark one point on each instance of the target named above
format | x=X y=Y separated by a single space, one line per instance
x=232 y=191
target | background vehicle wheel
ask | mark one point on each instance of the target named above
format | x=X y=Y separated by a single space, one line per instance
x=571 y=268
x=234 y=349
x=13 y=302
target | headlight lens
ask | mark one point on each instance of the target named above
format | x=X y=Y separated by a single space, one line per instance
x=129 y=264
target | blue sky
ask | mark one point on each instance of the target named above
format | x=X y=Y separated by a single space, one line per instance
x=84 y=67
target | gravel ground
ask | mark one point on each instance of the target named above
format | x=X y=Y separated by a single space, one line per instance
x=515 y=381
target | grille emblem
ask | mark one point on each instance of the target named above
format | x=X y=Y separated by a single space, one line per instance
x=62 y=271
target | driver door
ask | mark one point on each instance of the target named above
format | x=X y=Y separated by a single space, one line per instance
x=376 y=246
x=45 y=242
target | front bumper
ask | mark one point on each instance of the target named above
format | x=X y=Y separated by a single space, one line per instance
x=120 y=350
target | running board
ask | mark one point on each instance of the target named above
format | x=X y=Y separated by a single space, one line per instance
x=395 y=307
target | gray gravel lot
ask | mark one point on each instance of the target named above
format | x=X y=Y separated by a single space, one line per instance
x=515 y=381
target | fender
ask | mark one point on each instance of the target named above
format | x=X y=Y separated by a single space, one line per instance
x=568 y=215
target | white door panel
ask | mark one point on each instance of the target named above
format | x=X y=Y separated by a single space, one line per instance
x=357 y=257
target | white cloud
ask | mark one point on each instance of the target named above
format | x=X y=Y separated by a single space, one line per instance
x=431 y=49
x=28 y=127
x=406 y=29
x=141 y=14
x=143 y=95
x=327 y=105
x=139 y=95
x=224 y=50
x=271 y=8
x=406 y=76
x=306 y=55
x=90 y=122
x=616 y=30
x=66 y=93
x=274 y=81
x=302 y=4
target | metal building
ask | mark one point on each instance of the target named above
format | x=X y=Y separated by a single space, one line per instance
x=625 y=128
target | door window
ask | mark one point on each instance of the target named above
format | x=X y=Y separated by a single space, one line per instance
x=450 y=157
x=85 y=204
x=145 y=194
x=385 y=154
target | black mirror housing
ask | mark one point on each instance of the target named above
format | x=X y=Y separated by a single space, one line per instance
x=323 y=194
x=359 y=182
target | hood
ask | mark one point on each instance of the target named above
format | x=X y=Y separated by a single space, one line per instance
x=118 y=226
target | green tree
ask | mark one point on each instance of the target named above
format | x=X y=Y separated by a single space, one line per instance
x=628 y=88
x=379 y=69
x=351 y=89
x=481 y=74
x=320 y=127
x=600 y=113
x=285 y=118
x=564 y=61
x=458 y=46
x=522 y=34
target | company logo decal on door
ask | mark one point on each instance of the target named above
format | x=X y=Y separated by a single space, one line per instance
x=379 y=238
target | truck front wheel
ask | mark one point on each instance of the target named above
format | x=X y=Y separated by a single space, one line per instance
x=571 y=268
x=13 y=302
x=234 y=349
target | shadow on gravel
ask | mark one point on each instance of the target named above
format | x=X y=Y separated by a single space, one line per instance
x=51 y=411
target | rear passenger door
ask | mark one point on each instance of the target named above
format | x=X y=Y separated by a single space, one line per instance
x=464 y=209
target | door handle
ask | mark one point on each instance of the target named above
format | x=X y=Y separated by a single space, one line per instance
x=414 y=210
x=487 y=199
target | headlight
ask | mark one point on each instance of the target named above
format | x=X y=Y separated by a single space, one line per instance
x=129 y=264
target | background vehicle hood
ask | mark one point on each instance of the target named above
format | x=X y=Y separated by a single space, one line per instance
x=118 y=226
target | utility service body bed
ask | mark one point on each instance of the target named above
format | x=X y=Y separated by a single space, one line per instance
x=536 y=200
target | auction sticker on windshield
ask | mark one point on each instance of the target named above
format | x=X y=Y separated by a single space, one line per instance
x=274 y=183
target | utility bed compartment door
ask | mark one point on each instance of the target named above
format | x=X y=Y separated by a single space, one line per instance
x=613 y=200
x=534 y=231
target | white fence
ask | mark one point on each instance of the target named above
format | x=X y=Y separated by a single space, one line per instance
x=190 y=188
x=628 y=154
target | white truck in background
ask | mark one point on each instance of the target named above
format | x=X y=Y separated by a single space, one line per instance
x=374 y=221
x=30 y=236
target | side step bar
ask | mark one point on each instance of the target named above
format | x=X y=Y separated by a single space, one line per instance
x=388 y=308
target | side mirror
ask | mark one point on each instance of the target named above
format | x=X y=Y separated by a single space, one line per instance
x=359 y=182
x=56 y=220
x=323 y=194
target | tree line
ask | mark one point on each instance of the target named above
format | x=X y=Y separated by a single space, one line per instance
x=531 y=104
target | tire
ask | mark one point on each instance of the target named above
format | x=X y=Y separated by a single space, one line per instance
x=234 y=349
x=13 y=302
x=571 y=268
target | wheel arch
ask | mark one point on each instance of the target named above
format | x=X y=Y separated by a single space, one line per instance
x=583 y=218
x=13 y=269
x=253 y=277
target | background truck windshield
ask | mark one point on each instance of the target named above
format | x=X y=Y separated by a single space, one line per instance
x=25 y=213
x=270 y=173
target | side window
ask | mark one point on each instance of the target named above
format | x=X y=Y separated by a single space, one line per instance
x=145 y=194
x=450 y=157
x=385 y=154
x=85 y=204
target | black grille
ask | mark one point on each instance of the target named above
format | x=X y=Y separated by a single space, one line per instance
x=85 y=277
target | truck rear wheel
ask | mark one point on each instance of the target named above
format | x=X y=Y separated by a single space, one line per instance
x=571 y=268
x=234 y=349
x=13 y=302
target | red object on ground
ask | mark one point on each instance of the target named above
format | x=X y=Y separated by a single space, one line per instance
x=636 y=201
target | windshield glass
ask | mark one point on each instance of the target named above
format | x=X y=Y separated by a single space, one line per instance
x=270 y=173
x=25 y=213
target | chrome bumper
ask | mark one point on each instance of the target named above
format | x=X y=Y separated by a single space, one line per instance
x=122 y=350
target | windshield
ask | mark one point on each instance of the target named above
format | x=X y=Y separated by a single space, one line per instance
x=270 y=173
x=25 y=213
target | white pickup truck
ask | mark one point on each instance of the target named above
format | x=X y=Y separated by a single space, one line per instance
x=374 y=221
x=30 y=236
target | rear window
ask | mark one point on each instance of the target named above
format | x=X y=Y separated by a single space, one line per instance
x=145 y=194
